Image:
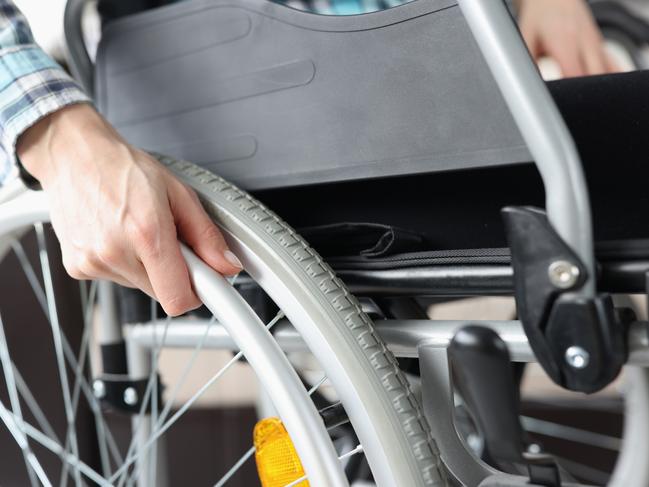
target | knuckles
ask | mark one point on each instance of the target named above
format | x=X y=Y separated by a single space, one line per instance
x=74 y=272
x=81 y=267
x=109 y=254
x=144 y=236
x=89 y=264
x=93 y=262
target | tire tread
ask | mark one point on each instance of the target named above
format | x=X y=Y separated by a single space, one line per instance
x=383 y=362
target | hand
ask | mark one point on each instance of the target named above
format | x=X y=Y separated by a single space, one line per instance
x=565 y=31
x=117 y=212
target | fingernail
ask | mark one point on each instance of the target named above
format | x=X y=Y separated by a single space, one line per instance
x=232 y=259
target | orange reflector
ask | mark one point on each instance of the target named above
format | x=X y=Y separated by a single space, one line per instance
x=277 y=462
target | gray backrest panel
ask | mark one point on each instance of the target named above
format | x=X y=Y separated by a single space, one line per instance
x=268 y=96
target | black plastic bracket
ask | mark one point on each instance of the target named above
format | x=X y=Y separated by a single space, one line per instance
x=580 y=342
x=113 y=358
x=483 y=377
x=542 y=469
x=121 y=393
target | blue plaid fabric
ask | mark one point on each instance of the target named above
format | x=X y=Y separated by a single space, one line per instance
x=341 y=7
x=32 y=85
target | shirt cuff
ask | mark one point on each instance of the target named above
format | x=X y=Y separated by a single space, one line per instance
x=32 y=86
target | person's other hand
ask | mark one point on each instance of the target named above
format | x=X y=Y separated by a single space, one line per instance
x=117 y=212
x=565 y=31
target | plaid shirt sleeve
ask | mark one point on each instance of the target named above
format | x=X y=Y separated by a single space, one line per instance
x=32 y=85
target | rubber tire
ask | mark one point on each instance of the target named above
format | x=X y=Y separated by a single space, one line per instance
x=403 y=427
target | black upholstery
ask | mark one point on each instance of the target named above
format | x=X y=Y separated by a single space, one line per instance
x=609 y=119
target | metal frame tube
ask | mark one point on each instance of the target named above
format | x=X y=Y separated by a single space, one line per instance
x=78 y=57
x=11 y=189
x=632 y=468
x=540 y=123
x=403 y=337
x=272 y=367
x=110 y=328
x=439 y=409
x=187 y=333
x=139 y=367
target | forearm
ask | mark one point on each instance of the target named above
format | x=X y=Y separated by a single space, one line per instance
x=32 y=85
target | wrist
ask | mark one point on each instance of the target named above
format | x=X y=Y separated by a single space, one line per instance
x=66 y=135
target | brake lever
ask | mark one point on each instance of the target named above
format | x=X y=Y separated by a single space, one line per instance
x=484 y=377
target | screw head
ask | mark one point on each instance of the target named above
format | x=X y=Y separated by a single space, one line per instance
x=577 y=357
x=563 y=274
x=130 y=396
x=99 y=389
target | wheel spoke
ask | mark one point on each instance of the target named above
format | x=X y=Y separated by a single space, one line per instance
x=21 y=439
x=87 y=301
x=317 y=385
x=30 y=274
x=235 y=468
x=153 y=455
x=79 y=377
x=140 y=461
x=179 y=413
x=95 y=407
x=355 y=451
x=14 y=400
x=188 y=367
x=100 y=425
x=183 y=377
x=153 y=377
x=58 y=345
x=54 y=447
x=78 y=372
x=91 y=399
x=295 y=482
x=239 y=463
x=570 y=433
x=107 y=442
x=33 y=406
x=130 y=459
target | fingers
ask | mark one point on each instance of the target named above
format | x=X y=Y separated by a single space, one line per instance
x=151 y=262
x=159 y=251
x=565 y=53
x=107 y=262
x=612 y=65
x=532 y=41
x=134 y=275
x=198 y=231
x=569 y=59
x=567 y=32
x=594 y=58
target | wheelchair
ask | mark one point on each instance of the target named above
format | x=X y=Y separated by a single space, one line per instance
x=396 y=143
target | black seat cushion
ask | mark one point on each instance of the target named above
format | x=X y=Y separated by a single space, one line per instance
x=609 y=119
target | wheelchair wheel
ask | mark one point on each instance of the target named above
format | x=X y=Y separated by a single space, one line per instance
x=368 y=388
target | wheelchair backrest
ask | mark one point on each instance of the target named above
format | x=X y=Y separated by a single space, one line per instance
x=268 y=96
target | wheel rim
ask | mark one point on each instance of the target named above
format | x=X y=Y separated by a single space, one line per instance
x=12 y=218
